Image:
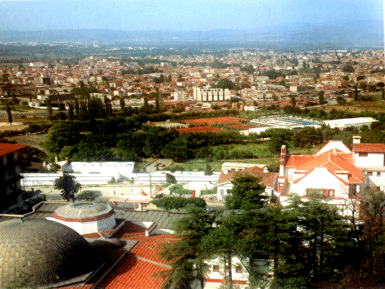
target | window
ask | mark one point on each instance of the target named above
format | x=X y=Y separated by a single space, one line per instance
x=238 y=269
x=329 y=194
x=215 y=268
x=369 y=174
x=320 y=193
x=362 y=154
x=315 y=193
x=352 y=191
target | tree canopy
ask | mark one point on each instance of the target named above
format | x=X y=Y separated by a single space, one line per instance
x=68 y=186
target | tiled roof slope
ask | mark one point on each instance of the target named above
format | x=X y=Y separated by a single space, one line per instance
x=267 y=179
x=6 y=148
x=369 y=148
x=295 y=160
x=133 y=273
x=334 y=162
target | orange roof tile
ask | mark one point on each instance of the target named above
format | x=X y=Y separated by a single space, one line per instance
x=148 y=246
x=267 y=179
x=199 y=129
x=333 y=162
x=296 y=160
x=6 y=148
x=369 y=148
x=133 y=273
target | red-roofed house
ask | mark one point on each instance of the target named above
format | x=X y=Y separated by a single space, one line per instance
x=268 y=179
x=334 y=172
x=9 y=174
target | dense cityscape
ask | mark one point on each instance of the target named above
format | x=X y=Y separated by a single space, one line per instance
x=210 y=146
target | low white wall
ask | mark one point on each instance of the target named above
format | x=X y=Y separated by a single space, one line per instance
x=48 y=179
x=185 y=177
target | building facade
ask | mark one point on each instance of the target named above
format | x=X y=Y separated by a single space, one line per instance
x=211 y=94
x=10 y=177
x=334 y=173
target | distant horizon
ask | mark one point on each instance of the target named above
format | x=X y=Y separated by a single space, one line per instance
x=184 y=16
x=201 y=30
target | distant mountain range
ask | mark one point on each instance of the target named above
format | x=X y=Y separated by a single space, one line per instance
x=354 y=34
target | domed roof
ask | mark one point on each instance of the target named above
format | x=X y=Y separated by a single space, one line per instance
x=43 y=251
x=83 y=211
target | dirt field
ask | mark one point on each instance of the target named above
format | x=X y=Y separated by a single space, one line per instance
x=12 y=126
x=32 y=140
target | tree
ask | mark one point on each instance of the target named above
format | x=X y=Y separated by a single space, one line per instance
x=177 y=150
x=292 y=101
x=348 y=68
x=208 y=170
x=170 y=179
x=321 y=98
x=177 y=203
x=355 y=93
x=68 y=186
x=61 y=134
x=341 y=100
x=222 y=242
x=77 y=108
x=70 y=112
x=4 y=77
x=122 y=103
x=225 y=83
x=246 y=194
x=329 y=236
x=49 y=107
x=188 y=254
x=157 y=101
x=9 y=114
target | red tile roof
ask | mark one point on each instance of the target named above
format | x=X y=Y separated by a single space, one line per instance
x=369 y=148
x=199 y=129
x=295 y=161
x=148 y=247
x=6 y=148
x=333 y=162
x=133 y=273
x=267 y=179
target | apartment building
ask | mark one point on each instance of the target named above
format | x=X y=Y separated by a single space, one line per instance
x=211 y=94
x=9 y=174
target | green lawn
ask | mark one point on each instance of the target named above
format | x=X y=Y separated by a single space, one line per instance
x=260 y=152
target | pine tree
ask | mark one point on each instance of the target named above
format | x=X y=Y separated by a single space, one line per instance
x=9 y=114
x=122 y=103
x=77 y=108
x=70 y=112
x=188 y=254
x=246 y=194
x=49 y=107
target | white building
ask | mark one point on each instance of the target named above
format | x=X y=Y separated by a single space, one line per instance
x=348 y=122
x=115 y=169
x=211 y=94
x=334 y=173
x=180 y=96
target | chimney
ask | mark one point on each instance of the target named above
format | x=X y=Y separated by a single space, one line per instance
x=265 y=170
x=356 y=139
x=282 y=161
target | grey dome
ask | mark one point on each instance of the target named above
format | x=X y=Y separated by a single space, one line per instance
x=83 y=210
x=43 y=251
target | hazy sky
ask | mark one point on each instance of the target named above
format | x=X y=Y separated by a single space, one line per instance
x=179 y=15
